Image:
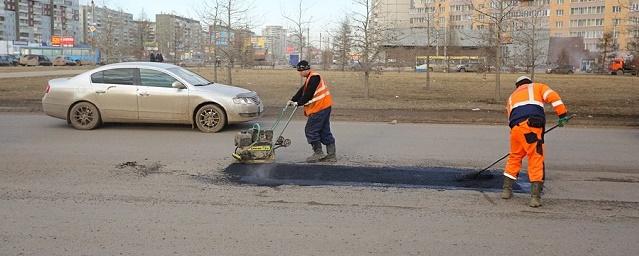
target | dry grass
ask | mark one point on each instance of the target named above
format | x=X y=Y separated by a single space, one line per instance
x=608 y=100
x=6 y=69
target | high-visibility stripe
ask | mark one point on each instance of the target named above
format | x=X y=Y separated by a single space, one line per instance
x=548 y=92
x=319 y=97
x=531 y=93
x=557 y=103
x=534 y=102
x=510 y=176
x=320 y=88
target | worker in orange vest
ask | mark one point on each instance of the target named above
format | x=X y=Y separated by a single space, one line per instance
x=317 y=101
x=527 y=121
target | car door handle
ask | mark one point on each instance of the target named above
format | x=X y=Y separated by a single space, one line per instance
x=144 y=94
x=100 y=91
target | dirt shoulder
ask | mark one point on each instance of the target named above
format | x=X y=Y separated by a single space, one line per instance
x=452 y=98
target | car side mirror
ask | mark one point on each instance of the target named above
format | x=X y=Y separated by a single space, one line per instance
x=178 y=85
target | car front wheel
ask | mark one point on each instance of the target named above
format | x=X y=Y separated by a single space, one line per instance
x=84 y=116
x=210 y=118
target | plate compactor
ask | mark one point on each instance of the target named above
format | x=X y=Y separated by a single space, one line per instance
x=255 y=145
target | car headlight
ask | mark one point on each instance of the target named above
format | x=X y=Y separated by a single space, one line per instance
x=246 y=100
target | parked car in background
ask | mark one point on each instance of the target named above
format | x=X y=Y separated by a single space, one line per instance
x=423 y=68
x=561 y=69
x=470 y=67
x=191 y=63
x=148 y=92
x=8 y=60
x=34 y=60
x=64 y=61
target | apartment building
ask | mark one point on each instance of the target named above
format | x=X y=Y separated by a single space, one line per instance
x=36 y=21
x=101 y=25
x=178 y=38
x=457 y=22
x=275 y=42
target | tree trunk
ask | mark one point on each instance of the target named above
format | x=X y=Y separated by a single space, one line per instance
x=229 y=73
x=366 y=87
x=428 y=71
x=498 y=67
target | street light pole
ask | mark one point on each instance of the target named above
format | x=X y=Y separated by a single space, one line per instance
x=428 y=53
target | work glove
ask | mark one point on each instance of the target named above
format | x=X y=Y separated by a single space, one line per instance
x=291 y=103
x=563 y=121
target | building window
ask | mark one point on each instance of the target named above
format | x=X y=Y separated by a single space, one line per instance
x=560 y=1
x=560 y=12
x=559 y=24
x=616 y=9
x=616 y=22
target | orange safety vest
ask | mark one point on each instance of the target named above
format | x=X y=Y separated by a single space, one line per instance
x=322 y=98
x=535 y=94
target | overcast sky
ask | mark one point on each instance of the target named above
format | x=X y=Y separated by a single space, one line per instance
x=325 y=13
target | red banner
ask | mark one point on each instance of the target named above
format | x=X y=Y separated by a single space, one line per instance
x=68 y=42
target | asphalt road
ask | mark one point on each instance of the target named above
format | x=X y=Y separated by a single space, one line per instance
x=157 y=190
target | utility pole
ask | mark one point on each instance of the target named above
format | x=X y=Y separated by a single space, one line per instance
x=321 y=51
x=17 y=19
x=428 y=52
x=498 y=54
x=308 y=44
x=52 y=17
x=93 y=41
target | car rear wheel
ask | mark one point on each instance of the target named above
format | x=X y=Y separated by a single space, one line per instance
x=210 y=118
x=84 y=116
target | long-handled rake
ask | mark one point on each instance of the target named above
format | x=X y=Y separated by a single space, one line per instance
x=474 y=176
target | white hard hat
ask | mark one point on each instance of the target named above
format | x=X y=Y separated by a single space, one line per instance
x=522 y=78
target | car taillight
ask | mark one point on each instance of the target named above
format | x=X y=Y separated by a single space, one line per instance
x=47 y=88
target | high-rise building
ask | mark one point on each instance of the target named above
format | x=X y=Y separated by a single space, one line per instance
x=144 y=33
x=457 y=22
x=101 y=25
x=178 y=38
x=275 y=42
x=36 y=21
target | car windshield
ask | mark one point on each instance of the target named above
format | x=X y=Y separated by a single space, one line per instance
x=190 y=77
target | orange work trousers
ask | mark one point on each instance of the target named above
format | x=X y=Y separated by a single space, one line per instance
x=526 y=141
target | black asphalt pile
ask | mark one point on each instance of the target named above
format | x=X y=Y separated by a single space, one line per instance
x=322 y=175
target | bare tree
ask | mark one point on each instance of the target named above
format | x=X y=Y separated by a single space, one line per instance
x=529 y=34
x=497 y=15
x=234 y=14
x=607 y=49
x=564 y=58
x=142 y=29
x=368 y=38
x=342 y=43
x=633 y=32
x=210 y=14
x=300 y=25
x=110 y=35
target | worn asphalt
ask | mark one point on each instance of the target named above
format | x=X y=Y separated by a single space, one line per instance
x=135 y=189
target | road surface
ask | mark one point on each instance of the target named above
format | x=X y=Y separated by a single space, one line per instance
x=158 y=190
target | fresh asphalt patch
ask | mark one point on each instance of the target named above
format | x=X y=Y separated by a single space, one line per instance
x=277 y=174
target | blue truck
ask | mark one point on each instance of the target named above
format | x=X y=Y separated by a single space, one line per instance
x=293 y=59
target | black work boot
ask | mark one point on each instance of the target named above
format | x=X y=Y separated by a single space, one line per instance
x=330 y=154
x=318 y=154
x=535 y=194
x=507 y=191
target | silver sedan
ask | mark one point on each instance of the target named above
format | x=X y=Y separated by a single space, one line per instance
x=148 y=93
